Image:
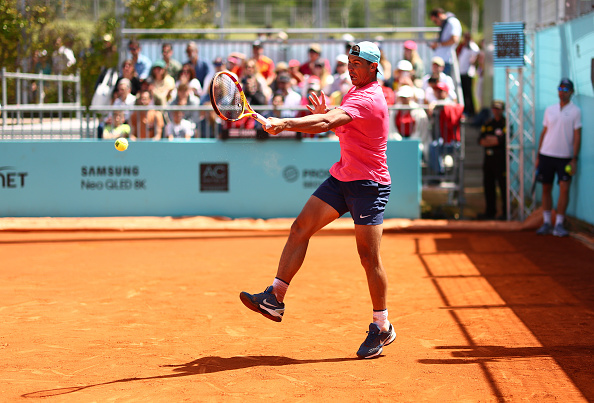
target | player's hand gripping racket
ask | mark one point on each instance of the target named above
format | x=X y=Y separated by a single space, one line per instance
x=228 y=99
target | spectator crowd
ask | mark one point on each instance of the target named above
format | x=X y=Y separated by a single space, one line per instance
x=285 y=85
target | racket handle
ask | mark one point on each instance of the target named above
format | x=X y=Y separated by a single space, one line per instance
x=261 y=119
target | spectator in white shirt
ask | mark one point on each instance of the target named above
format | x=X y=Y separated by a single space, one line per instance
x=468 y=52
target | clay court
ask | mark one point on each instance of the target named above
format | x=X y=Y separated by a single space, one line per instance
x=138 y=311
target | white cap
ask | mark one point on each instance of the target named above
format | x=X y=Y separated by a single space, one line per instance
x=406 y=91
x=404 y=65
x=342 y=58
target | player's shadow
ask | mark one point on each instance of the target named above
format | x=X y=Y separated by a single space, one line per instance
x=204 y=365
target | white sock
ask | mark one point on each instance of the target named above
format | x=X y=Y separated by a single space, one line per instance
x=559 y=219
x=546 y=216
x=380 y=318
x=279 y=288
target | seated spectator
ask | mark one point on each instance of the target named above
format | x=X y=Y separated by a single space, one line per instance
x=265 y=64
x=145 y=124
x=278 y=100
x=235 y=63
x=326 y=79
x=251 y=71
x=172 y=66
x=412 y=122
x=411 y=54
x=313 y=88
x=281 y=68
x=437 y=66
x=185 y=96
x=403 y=75
x=118 y=128
x=163 y=83
x=128 y=71
x=296 y=75
x=342 y=80
x=124 y=96
x=178 y=127
x=291 y=98
x=142 y=64
x=187 y=76
x=437 y=92
x=201 y=68
x=314 y=53
x=386 y=65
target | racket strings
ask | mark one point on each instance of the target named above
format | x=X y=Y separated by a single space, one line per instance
x=227 y=97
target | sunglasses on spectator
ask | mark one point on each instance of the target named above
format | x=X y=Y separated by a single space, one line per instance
x=564 y=89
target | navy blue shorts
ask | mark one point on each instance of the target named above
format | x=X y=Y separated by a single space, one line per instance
x=549 y=166
x=366 y=200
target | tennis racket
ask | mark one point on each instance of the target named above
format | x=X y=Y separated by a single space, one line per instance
x=228 y=100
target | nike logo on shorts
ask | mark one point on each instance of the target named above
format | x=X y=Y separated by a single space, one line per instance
x=364 y=216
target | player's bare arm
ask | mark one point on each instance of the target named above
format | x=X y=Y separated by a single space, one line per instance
x=313 y=124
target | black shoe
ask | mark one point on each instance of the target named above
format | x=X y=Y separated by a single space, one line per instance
x=375 y=341
x=264 y=303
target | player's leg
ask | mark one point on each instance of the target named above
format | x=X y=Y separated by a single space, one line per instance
x=325 y=206
x=381 y=332
x=368 y=239
x=315 y=215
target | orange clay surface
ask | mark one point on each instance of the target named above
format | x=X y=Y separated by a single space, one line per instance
x=94 y=313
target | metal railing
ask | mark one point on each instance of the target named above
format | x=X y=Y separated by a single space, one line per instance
x=24 y=110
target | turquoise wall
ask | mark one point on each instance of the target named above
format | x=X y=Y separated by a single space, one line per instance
x=239 y=178
x=567 y=51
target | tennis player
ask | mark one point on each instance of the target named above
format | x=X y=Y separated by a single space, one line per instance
x=359 y=184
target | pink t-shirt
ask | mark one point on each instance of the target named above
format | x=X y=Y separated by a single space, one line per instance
x=363 y=141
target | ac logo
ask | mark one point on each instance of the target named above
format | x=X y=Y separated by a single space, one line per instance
x=214 y=177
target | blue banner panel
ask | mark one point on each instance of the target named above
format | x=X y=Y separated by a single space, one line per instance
x=240 y=178
x=509 y=42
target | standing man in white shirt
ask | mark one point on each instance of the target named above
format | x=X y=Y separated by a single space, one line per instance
x=558 y=151
x=448 y=38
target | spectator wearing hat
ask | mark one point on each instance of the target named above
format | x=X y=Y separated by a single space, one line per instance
x=172 y=65
x=437 y=66
x=294 y=66
x=492 y=139
x=234 y=65
x=403 y=74
x=411 y=121
x=558 y=151
x=265 y=64
x=163 y=83
x=412 y=55
x=314 y=54
x=449 y=36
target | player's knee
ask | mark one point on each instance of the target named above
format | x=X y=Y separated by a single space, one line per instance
x=299 y=230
